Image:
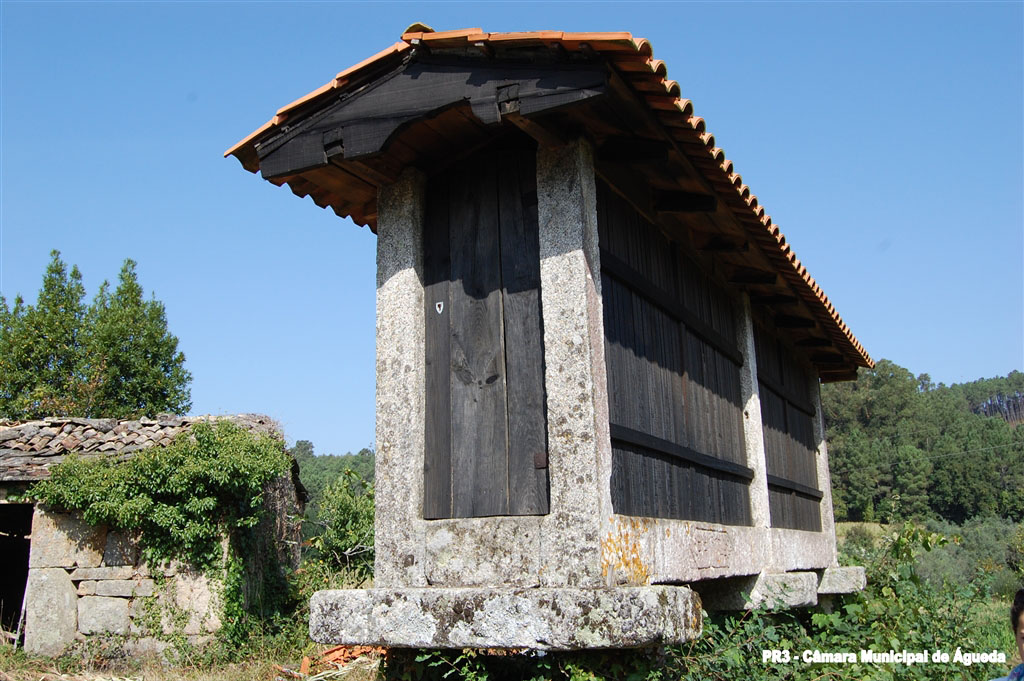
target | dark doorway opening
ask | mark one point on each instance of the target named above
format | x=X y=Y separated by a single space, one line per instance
x=15 y=532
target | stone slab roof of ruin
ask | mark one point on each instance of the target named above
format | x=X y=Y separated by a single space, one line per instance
x=29 y=449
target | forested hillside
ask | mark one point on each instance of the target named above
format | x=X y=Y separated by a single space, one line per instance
x=902 y=447
x=1002 y=396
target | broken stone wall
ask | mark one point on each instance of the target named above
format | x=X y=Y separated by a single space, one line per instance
x=87 y=581
x=90 y=582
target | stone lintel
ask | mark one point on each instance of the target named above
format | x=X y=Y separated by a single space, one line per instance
x=541 y=618
x=119 y=572
x=768 y=589
x=841 y=580
x=65 y=540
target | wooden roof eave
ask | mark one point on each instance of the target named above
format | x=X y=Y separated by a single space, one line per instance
x=366 y=123
x=744 y=214
x=633 y=71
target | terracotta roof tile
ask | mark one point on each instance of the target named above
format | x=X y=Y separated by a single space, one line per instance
x=47 y=439
x=648 y=76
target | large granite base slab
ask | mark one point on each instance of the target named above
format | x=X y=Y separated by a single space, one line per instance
x=539 y=618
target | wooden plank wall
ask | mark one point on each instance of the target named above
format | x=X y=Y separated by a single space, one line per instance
x=673 y=366
x=787 y=417
x=486 y=431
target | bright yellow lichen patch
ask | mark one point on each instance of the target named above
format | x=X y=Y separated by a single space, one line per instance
x=622 y=553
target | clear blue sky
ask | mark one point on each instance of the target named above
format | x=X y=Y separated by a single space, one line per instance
x=885 y=139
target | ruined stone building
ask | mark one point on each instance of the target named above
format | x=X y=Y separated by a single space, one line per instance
x=63 y=581
x=598 y=358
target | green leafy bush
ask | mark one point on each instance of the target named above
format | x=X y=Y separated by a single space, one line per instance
x=982 y=549
x=182 y=498
x=345 y=517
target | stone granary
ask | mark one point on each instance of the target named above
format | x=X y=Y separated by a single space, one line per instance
x=598 y=358
x=63 y=581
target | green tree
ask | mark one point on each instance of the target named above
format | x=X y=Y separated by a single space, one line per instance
x=134 y=360
x=41 y=346
x=911 y=476
x=114 y=358
x=346 y=516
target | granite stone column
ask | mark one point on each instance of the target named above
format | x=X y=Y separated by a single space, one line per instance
x=400 y=383
x=579 y=446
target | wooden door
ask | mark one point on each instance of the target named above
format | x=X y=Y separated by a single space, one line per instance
x=486 y=432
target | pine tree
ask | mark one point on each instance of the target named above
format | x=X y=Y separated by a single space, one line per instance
x=41 y=353
x=115 y=358
x=134 y=361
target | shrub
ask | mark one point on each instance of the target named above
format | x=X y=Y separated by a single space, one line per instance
x=181 y=498
x=345 y=517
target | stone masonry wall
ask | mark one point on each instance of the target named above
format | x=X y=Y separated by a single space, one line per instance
x=87 y=582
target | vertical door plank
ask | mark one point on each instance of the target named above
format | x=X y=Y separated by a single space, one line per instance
x=524 y=353
x=437 y=491
x=479 y=412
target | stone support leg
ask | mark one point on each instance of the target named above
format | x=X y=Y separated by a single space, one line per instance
x=579 y=448
x=400 y=383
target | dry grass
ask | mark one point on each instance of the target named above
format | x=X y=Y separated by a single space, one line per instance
x=17 y=666
x=876 y=530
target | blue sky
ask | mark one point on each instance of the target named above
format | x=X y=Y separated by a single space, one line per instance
x=884 y=138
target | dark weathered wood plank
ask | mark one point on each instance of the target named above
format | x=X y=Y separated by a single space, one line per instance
x=302 y=153
x=622 y=271
x=793 y=485
x=639 y=402
x=669 y=386
x=620 y=502
x=479 y=411
x=437 y=493
x=640 y=439
x=368 y=117
x=524 y=352
x=786 y=394
x=787 y=418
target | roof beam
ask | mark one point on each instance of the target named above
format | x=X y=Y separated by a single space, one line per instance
x=544 y=135
x=684 y=202
x=775 y=299
x=717 y=244
x=366 y=119
x=632 y=150
x=785 y=321
x=813 y=342
x=750 y=276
